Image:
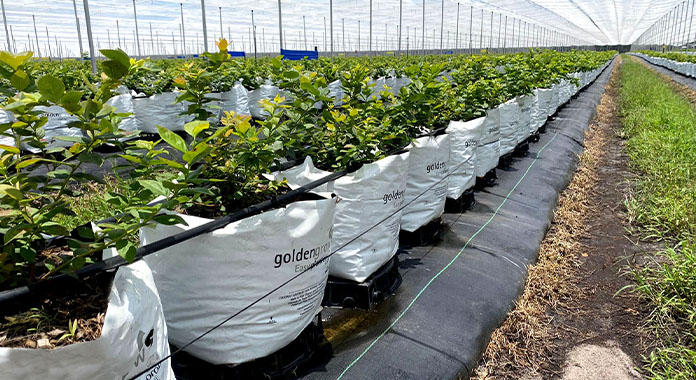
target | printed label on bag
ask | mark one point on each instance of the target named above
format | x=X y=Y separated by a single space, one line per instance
x=303 y=300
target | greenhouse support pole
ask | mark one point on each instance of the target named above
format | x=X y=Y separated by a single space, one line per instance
x=671 y=30
x=481 y=34
x=304 y=28
x=174 y=45
x=471 y=25
x=4 y=20
x=14 y=42
x=685 y=20
x=108 y=37
x=456 y=38
x=48 y=43
x=183 y=31
x=490 y=35
x=222 y=34
x=500 y=26
x=512 y=42
x=519 y=34
x=88 y=23
x=688 y=36
x=118 y=34
x=401 y=25
x=330 y=25
x=77 y=24
x=505 y=39
x=359 y=47
x=324 y=33
x=253 y=27
x=442 y=24
x=370 y=47
x=137 y=33
x=205 y=26
x=152 y=42
x=36 y=35
x=423 y=27
x=159 y=46
x=682 y=13
x=343 y=32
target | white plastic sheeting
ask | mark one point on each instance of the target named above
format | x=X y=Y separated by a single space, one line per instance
x=235 y=266
x=369 y=200
x=133 y=338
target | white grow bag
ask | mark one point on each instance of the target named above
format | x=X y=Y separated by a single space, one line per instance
x=134 y=337
x=160 y=109
x=488 y=150
x=464 y=138
x=236 y=99
x=57 y=126
x=544 y=101
x=205 y=279
x=509 y=117
x=266 y=91
x=426 y=184
x=124 y=104
x=379 y=84
x=336 y=92
x=367 y=196
x=527 y=109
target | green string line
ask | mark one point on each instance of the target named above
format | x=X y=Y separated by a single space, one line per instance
x=374 y=342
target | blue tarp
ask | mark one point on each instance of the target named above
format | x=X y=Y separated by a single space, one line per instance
x=298 y=55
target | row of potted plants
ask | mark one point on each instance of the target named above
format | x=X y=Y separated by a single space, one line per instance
x=393 y=148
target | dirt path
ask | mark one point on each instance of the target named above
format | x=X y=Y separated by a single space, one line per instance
x=570 y=323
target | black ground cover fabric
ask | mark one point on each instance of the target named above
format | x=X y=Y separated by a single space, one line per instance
x=443 y=332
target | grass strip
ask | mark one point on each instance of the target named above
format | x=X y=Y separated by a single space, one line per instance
x=660 y=124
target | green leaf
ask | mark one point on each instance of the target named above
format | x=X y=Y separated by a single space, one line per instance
x=155 y=187
x=51 y=88
x=14 y=61
x=126 y=249
x=71 y=100
x=172 y=139
x=114 y=70
x=169 y=219
x=91 y=158
x=11 y=191
x=195 y=127
x=20 y=80
x=117 y=55
x=28 y=162
x=11 y=149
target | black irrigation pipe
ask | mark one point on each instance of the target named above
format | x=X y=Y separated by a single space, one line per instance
x=117 y=261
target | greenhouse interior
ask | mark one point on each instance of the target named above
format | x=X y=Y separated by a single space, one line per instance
x=479 y=189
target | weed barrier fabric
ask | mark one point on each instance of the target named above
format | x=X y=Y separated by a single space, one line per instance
x=440 y=332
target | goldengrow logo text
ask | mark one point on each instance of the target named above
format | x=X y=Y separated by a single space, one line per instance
x=300 y=255
x=436 y=166
x=394 y=195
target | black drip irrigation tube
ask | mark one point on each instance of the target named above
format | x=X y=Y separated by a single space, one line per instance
x=8 y=297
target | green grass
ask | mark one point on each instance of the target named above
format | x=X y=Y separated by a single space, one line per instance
x=92 y=205
x=660 y=125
